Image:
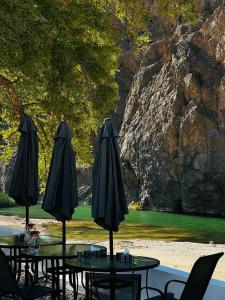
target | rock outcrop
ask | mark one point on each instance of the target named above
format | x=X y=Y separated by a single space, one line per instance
x=84 y=179
x=128 y=66
x=6 y=172
x=173 y=132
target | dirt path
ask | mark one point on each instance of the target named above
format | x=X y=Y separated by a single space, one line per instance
x=179 y=255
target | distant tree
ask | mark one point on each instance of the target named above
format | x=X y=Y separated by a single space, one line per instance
x=135 y=16
x=58 y=60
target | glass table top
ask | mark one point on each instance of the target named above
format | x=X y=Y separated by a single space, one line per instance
x=104 y=264
x=9 y=242
x=56 y=251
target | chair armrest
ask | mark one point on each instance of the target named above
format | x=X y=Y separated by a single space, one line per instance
x=174 y=280
x=148 y=288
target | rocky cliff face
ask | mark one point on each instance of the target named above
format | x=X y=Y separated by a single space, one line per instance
x=6 y=172
x=3 y=178
x=159 y=28
x=173 y=133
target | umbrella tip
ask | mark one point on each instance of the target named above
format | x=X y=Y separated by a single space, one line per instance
x=107 y=119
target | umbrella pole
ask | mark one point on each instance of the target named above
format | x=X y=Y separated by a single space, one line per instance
x=64 y=233
x=112 y=274
x=111 y=244
x=64 y=246
x=26 y=263
x=27 y=215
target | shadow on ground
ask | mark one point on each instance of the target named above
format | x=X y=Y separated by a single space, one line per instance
x=85 y=230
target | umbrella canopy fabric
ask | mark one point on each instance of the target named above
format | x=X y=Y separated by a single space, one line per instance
x=61 y=192
x=24 y=185
x=108 y=197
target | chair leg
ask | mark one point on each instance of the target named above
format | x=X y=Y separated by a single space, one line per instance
x=74 y=283
x=55 y=295
x=55 y=278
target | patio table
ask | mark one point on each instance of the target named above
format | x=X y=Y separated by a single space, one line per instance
x=10 y=243
x=15 y=247
x=56 y=254
x=105 y=264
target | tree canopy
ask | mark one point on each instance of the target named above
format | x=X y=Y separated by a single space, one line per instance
x=58 y=60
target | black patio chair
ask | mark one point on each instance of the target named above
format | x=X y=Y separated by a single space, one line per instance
x=196 y=284
x=98 y=286
x=56 y=270
x=9 y=287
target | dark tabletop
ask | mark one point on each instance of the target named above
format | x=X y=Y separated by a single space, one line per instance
x=8 y=241
x=103 y=264
x=58 y=251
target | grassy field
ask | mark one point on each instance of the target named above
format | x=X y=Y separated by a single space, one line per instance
x=138 y=224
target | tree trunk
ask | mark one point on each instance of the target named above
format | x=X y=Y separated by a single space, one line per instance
x=7 y=85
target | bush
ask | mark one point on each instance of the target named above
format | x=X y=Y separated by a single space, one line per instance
x=6 y=201
x=135 y=205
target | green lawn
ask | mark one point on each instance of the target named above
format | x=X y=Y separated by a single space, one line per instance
x=82 y=212
x=138 y=224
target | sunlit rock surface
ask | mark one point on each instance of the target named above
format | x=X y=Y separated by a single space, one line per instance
x=173 y=132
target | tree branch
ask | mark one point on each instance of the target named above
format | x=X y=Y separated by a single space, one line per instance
x=30 y=104
x=42 y=130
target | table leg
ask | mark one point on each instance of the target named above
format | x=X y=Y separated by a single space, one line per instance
x=64 y=281
x=12 y=259
x=82 y=280
x=90 y=285
x=55 y=274
x=73 y=280
x=91 y=279
x=112 y=285
x=36 y=271
x=15 y=260
x=146 y=283
x=26 y=272
x=19 y=267
x=133 y=286
x=86 y=285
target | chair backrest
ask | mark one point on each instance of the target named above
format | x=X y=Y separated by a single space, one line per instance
x=200 y=276
x=8 y=284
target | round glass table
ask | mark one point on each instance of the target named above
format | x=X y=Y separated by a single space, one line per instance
x=54 y=257
x=104 y=264
x=15 y=247
x=11 y=243
x=59 y=251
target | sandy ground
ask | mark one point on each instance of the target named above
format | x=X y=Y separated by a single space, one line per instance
x=180 y=255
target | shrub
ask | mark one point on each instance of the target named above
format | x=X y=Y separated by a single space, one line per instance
x=6 y=201
x=135 y=205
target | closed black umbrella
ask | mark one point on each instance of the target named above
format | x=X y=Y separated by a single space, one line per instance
x=24 y=185
x=61 y=191
x=108 y=197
